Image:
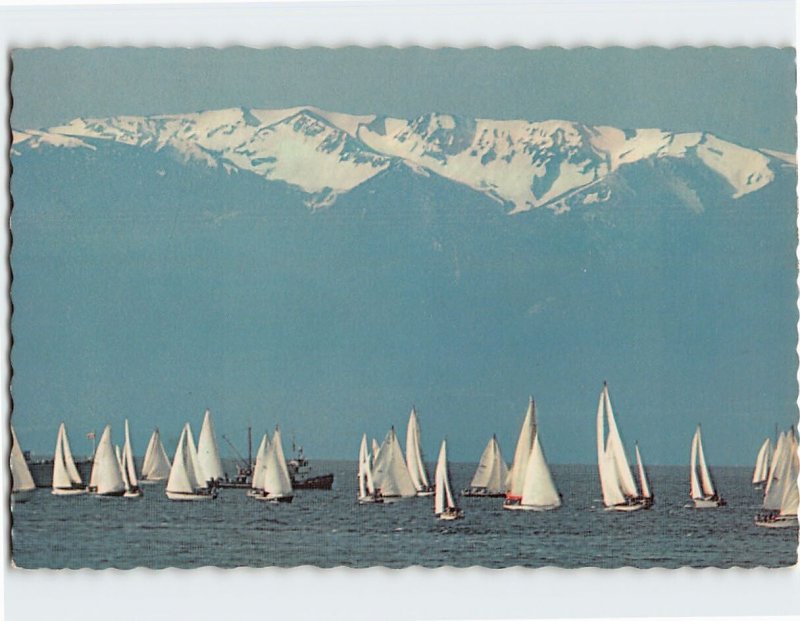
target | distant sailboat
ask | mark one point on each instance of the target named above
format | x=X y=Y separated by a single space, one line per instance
x=416 y=466
x=616 y=481
x=491 y=474
x=763 y=459
x=647 y=496
x=277 y=485
x=22 y=485
x=367 y=494
x=392 y=479
x=702 y=490
x=155 y=466
x=66 y=480
x=539 y=493
x=106 y=478
x=208 y=451
x=519 y=467
x=259 y=468
x=445 y=507
x=186 y=481
x=131 y=480
x=782 y=498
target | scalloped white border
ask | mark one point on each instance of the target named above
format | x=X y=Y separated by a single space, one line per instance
x=308 y=593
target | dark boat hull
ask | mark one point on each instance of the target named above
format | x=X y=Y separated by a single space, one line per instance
x=323 y=481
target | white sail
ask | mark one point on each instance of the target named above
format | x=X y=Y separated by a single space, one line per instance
x=390 y=472
x=375 y=450
x=492 y=472
x=416 y=466
x=791 y=495
x=695 y=489
x=522 y=452
x=443 y=495
x=774 y=466
x=106 y=474
x=129 y=467
x=539 y=491
x=706 y=483
x=780 y=480
x=363 y=464
x=277 y=482
x=21 y=479
x=609 y=478
x=65 y=473
x=762 y=463
x=183 y=478
x=121 y=461
x=208 y=452
x=201 y=477
x=260 y=467
x=643 y=483
x=614 y=446
x=156 y=465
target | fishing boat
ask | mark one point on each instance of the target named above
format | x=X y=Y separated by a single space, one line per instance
x=444 y=505
x=491 y=474
x=106 y=478
x=302 y=475
x=648 y=499
x=129 y=477
x=702 y=491
x=522 y=452
x=22 y=485
x=66 y=480
x=367 y=494
x=539 y=493
x=276 y=486
x=186 y=480
x=391 y=476
x=414 y=461
x=781 y=498
x=208 y=452
x=155 y=466
x=616 y=481
x=763 y=459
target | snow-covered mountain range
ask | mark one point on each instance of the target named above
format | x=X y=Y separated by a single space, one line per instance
x=523 y=164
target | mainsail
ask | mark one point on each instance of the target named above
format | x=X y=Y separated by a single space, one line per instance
x=208 y=452
x=183 y=478
x=391 y=473
x=762 y=462
x=612 y=465
x=65 y=474
x=701 y=485
x=416 y=466
x=156 y=464
x=516 y=475
x=128 y=465
x=21 y=479
x=260 y=467
x=443 y=496
x=277 y=483
x=492 y=472
x=539 y=491
x=106 y=474
x=643 y=483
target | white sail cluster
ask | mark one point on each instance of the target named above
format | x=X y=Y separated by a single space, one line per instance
x=491 y=474
x=271 y=480
x=781 y=496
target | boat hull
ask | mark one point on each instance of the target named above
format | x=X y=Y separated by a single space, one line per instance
x=781 y=521
x=708 y=503
x=273 y=499
x=626 y=508
x=451 y=514
x=426 y=493
x=538 y=508
x=323 y=481
x=370 y=500
x=69 y=491
x=133 y=494
x=482 y=493
x=181 y=496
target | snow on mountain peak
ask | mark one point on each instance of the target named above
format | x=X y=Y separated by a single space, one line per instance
x=526 y=164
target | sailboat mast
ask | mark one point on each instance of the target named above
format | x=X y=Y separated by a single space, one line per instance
x=250 y=448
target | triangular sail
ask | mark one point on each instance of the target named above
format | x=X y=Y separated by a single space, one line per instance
x=390 y=471
x=69 y=461
x=208 y=452
x=201 y=479
x=416 y=466
x=779 y=480
x=276 y=477
x=182 y=476
x=443 y=495
x=705 y=476
x=539 y=489
x=614 y=446
x=363 y=464
x=121 y=462
x=106 y=473
x=606 y=466
x=695 y=489
x=791 y=495
x=156 y=465
x=516 y=475
x=643 y=483
x=129 y=467
x=21 y=479
x=762 y=463
x=260 y=467
x=492 y=472
x=62 y=478
x=777 y=456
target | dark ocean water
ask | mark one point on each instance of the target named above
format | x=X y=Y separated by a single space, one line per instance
x=329 y=529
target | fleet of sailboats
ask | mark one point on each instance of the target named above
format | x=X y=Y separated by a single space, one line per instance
x=701 y=486
x=367 y=492
x=444 y=505
x=781 y=496
x=22 y=485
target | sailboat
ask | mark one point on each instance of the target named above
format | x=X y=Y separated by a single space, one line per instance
x=516 y=475
x=445 y=507
x=155 y=466
x=367 y=494
x=132 y=489
x=416 y=466
x=647 y=496
x=702 y=490
x=22 y=485
x=390 y=473
x=616 y=481
x=782 y=498
x=106 y=478
x=186 y=480
x=66 y=480
x=491 y=474
x=276 y=485
x=208 y=452
x=539 y=493
x=762 y=463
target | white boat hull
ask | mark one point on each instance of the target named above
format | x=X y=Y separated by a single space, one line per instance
x=537 y=508
x=426 y=493
x=451 y=514
x=707 y=503
x=781 y=521
x=274 y=499
x=180 y=496
x=626 y=508
x=133 y=494
x=58 y=491
x=370 y=500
